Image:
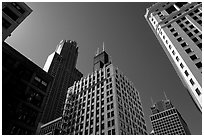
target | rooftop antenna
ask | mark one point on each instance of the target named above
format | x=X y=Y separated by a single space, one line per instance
x=152 y=101
x=97 y=51
x=165 y=96
x=103 y=47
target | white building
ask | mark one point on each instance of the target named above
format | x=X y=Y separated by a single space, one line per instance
x=178 y=27
x=103 y=103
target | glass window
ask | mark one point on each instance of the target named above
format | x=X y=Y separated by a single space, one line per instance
x=10 y=13
x=192 y=82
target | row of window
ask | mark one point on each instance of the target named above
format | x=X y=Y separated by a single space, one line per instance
x=162 y=114
x=189 y=29
x=193 y=57
x=197 y=18
x=173 y=9
x=7 y=10
x=49 y=128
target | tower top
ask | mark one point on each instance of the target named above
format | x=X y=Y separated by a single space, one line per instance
x=100 y=59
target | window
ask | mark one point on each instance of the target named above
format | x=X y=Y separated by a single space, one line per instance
x=181 y=65
x=17 y=7
x=175 y=34
x=173 y=52
x=187 y=22
x=188 y=50
x=169 y=26
x=178 y=21
x=170 y=47
x=177 y=58
x=186 y=73
x=195 y=39
x=181 y=25
x=191 y=26
x=179 y=39
x=183 y=18
x=109 y=132
x=199 y=22
x=198 y=91
x=200 y=36
x=5 y=23
x=170 y=9
x=172 y=30
x=10 y=13
x=200 y=45
x=192 y=82
x=195 y=18
x=199 y=65
x=185 y=29
x=196 y=11
x=183 y=44
x=194 y=57
x=180 y=4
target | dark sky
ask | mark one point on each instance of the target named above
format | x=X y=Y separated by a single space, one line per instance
x=128 y=40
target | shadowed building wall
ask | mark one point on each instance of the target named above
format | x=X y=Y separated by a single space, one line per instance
x=61 y=64
x=25 y=88
x=13 y=13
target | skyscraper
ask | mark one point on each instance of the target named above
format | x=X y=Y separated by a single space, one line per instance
x=13 y=13
x=24 y=90
x=166 y=120
x=103 y=103
x=61 y=64
x=178 y=27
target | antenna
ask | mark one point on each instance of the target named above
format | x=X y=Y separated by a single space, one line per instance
x=97 y=51
x=165 y=96
x=152 y=101
x=103 y=47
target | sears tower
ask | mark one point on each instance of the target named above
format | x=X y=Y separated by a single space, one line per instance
x=61 y=64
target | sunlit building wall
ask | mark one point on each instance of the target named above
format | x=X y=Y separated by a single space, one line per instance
x=178 y=27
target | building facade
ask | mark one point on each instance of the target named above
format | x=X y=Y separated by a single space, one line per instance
x=51 y=128
x=178 y=27
x=24 y=91
x=13 y=13
x=103 y=103
x=166 y=120
x=61 y=64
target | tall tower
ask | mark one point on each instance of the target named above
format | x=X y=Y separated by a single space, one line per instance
x=178 y=27
x=13 y=13
x=61 y=64
x=166 y=120
x=103 y=103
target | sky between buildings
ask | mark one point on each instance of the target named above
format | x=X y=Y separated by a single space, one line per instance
x=128 y=40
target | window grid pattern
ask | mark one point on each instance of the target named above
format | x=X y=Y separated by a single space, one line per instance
x=89 y=107
x=167 y=123
x=131 y=117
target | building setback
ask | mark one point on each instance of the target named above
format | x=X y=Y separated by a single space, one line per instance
x=24 y=91
x=13 y=13
x=61 y=64
x=103 y=103
x=166 y=120
x=51 y=128
x=178 y=27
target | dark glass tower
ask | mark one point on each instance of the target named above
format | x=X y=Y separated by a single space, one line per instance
x=61 y=64
x=166 y=120
x=24 y=90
